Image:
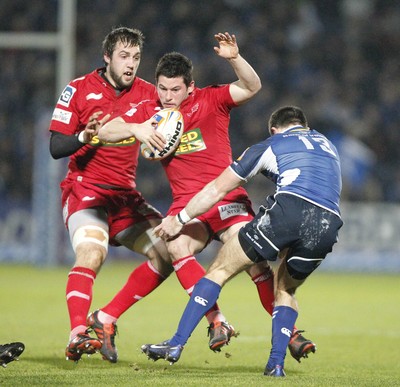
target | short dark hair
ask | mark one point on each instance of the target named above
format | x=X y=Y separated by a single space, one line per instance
x=287 y=115
x=130 y=36
x=174 y=65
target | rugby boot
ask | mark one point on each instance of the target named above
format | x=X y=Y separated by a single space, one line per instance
x=299 y=346
x=163 y=351
x=80 y=344
x=276 y=372
x=220 y=334
x=10 y=352
x=106 y=334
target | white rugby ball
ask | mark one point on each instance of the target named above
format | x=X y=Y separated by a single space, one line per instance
x=170 y=125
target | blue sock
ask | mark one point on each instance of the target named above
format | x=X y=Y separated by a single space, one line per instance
x=204 y=296
x=283 y=320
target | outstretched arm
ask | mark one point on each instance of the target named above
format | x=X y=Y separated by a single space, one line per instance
x=248 y=83
x=212 y=193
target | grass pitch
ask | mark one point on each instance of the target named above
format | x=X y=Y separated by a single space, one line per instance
x=353 y=319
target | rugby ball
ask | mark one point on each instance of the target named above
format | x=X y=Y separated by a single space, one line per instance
x=170 y=125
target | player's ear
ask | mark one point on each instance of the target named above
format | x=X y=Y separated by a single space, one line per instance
x=106 y=59
x=191 y=87
x=273 y=130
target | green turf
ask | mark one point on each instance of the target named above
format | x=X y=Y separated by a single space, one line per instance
x=352 y=318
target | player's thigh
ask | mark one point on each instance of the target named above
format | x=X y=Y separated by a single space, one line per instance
x=96 y=216
x=230 y=231
x=192 y=239
x=230 y=261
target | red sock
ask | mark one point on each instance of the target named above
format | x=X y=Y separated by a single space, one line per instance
x=265 y=288
x=189 y=272
x=79 y=294
x=142 y=281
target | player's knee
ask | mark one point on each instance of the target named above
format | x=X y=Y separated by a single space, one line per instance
x=147 y=243
x=300 y=268
x=177 y=249
x=160 y=260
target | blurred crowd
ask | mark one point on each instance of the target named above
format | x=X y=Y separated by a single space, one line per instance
x=337 y=59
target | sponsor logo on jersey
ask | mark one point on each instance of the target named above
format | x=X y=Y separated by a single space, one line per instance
x=193 y=110
x=201 y=301
x=61 y=115
x=94 y=96
x=232 y=209
x=128 y=141
x=66 y=95
x=191 y=141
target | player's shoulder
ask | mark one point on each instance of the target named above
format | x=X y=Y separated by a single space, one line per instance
x=75 y=90
x=142 y=89
x=212 y=95
x=214 y=88
x=86 y=79
x=143 y=83
x=83 y=85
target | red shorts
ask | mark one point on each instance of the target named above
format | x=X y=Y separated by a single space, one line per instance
x=124 y=207
x=233 y=209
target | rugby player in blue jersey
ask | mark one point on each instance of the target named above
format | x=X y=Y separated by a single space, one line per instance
x=297 y=227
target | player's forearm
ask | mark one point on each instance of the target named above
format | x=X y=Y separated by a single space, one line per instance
x=204 y=200
x=248 y=79
x=116 y=131
x=62 y=145
x=213 y=192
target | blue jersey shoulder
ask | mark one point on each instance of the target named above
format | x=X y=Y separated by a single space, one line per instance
x=299 y=161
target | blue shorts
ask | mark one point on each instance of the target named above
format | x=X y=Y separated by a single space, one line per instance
x=290 y=222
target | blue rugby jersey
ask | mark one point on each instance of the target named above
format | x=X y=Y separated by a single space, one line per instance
x=300 y=162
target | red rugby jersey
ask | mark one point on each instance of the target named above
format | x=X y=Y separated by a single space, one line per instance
x=204 y=151
x=97 y=162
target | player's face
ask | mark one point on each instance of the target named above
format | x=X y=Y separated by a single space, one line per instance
x=173 y=91
x=122 y=65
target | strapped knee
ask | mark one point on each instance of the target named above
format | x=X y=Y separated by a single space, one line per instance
x=93 y=234
x=145 y=241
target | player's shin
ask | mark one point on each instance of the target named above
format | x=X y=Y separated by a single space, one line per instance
x=283 y=320
x=265 y=289
x=204 y=296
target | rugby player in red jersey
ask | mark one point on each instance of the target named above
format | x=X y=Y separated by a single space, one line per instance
x=100 y=202
x=204 y=152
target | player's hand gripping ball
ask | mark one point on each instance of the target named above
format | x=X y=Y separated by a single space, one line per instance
x=170 y=125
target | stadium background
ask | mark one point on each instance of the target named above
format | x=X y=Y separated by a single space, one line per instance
x=337 y=59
